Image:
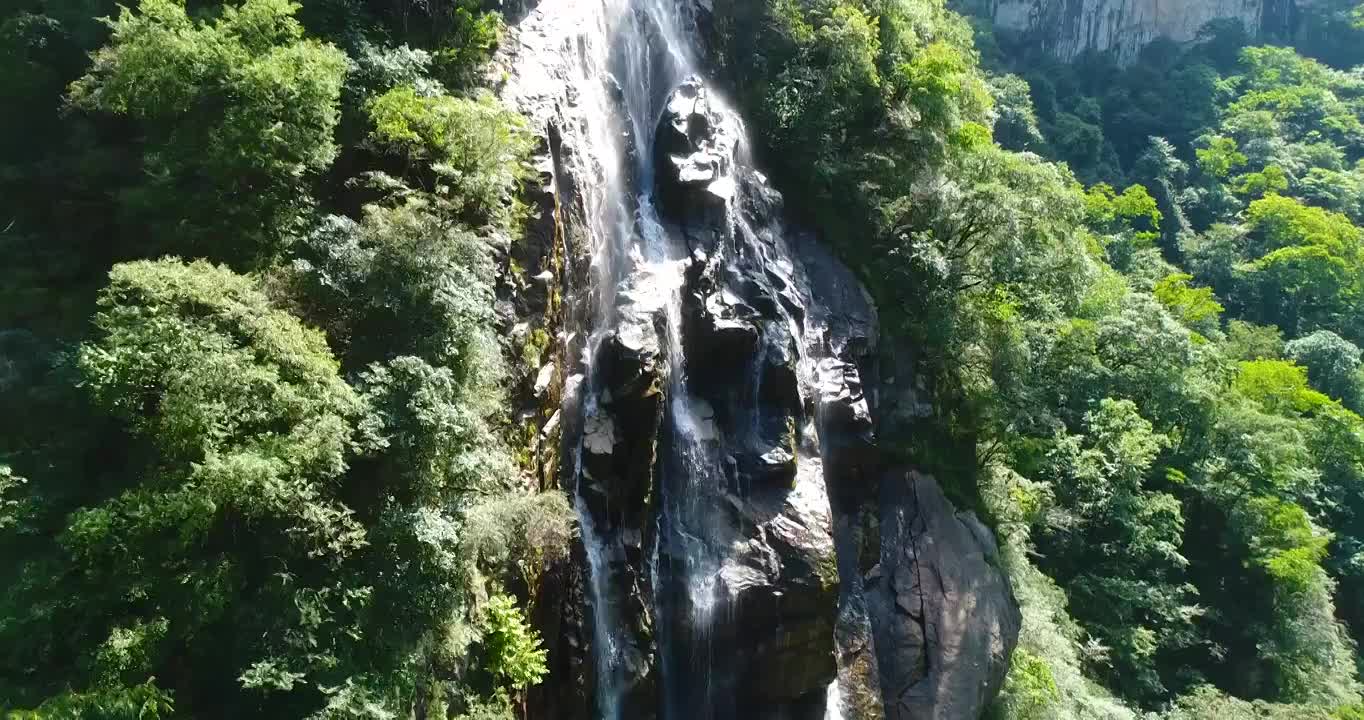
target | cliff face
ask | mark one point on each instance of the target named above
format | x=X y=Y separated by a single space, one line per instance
x=711 y=400
x=1070 y=27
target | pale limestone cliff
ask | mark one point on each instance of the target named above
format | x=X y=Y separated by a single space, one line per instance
x=1069 y=27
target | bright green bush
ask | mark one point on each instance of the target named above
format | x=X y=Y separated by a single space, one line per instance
x=513 y=650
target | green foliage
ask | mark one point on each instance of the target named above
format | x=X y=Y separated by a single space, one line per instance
x=513 y=649
x=1207 y=702
x=1111 y=213
x=1303 y=269
x=220 y=503
x=1270 y=181
x=1216 y=556
x=405 y=280
x=531 y=532
x=1248 y=341
x=1332 y=364
x=1030 y=690
x=140 y=702
x=1197 y=308
x=1279 y=386
x=476 y=148
x=238 y=169
x=1284 y=542
x=1169 y=492
x=1219 y=156
x=835 y=78
x=1015 y=125
x=1115 y=545
x=470 y=35
x=1046 y=678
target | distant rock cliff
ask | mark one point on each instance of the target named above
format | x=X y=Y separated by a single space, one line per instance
x=1070 y=27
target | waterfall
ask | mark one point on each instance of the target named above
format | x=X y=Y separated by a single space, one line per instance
x=692 y=293
x=647 y=257
x=833 y=702
x=718 y=377
x=621 y=85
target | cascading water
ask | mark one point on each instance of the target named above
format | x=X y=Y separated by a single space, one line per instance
x=651 y=60
x=833 y=708
x=691 y=363
x=633 y=256
x=717 y=391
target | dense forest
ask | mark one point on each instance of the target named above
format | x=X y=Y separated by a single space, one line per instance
x=256 y=458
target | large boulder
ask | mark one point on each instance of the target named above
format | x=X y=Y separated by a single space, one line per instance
x=943 y=613
x=694 y=152
x=783 y=584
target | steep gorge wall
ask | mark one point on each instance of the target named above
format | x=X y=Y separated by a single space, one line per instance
x=1068 y=28
x=710 y=394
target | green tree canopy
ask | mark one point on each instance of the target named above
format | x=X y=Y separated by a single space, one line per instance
x=237 y=114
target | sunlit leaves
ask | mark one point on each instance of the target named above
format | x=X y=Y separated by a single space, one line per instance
x=513 y=648
x=1279 y=386
x=1220 y=156
x=1197 y=308
x=476 y=147
x=241 y=164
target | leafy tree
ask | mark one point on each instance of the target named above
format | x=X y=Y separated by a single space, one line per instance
x=1247 y=341
x=513 y=649
x=238 y=170
x=1220 y=156
x=1115 y=545
x=1030 y=692
x=142 y=702
x=1015 y=120
x=404 y=280
x=1332 y=364
x=233 y=517
x=1271 y=180
x=1195 y=307
x=474 y=148
x=1207 y=702
x=238 y=427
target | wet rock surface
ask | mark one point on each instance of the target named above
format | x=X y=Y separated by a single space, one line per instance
x=718 y=427
x=694 y=154
x=769 y=633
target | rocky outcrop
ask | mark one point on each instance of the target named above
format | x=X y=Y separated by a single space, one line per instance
x=943 y=615
x=1068 y=28
x=709 y=396
x=759 y=528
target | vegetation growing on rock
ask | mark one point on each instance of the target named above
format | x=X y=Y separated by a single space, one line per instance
x=267 y=479
x=1153 y=392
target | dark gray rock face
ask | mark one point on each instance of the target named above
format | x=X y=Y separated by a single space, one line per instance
x=943 y=616
x=764 y=521
x=746 y=540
